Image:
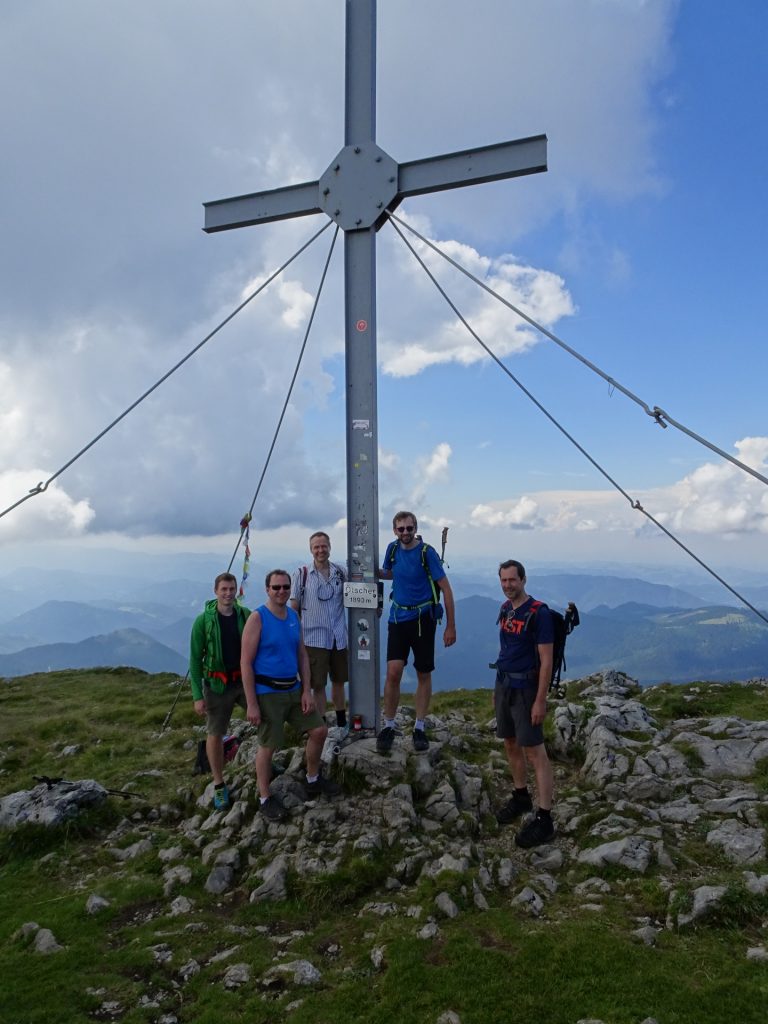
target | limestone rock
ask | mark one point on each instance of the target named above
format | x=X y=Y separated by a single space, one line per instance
x=297 y=972
x=45 y=942
x=446 y=906
x=740 y=843
x=95 y=903
x=49 y=806
x=530 y=900
x=705 y=898
x=273 y=885
x=632 y=852
x=236 y=975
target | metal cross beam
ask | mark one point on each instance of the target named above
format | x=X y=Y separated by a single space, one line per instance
x=361 y=184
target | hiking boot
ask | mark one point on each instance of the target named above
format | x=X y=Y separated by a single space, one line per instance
x=272 y=809
x=385 y=739
x=535 y=832
x=321 y=787
x=420 y=741
x=220 y=798
x=513 y=808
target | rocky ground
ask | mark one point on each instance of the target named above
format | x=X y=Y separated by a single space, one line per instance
x=684 y=804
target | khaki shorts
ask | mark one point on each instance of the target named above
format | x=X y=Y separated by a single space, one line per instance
x=276 y=710
x=324 y=662
x=219 y=706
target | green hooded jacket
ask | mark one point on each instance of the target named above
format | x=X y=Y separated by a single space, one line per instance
x=206 y=662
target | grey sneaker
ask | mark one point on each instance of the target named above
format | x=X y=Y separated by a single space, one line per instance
x=272 y=809
x=321 y=787
x=420 y=741
x=385 y=739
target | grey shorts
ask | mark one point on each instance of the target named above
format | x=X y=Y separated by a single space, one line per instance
x=219 y=706
x=513 y=715
x=324 y=662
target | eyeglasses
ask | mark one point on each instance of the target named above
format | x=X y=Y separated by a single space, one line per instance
x=405 y=529
x=280 y=586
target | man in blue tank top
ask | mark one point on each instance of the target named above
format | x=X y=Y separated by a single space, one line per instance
x=276 y=680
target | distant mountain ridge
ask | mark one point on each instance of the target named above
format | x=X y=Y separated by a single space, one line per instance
x=653 y=631
x=128 y=647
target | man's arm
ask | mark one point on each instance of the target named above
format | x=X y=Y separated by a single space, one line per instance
x=307 y=697
x=449 y=633
x=296 y=588
x=196 y=648
x=249 y=645
x=539 y=708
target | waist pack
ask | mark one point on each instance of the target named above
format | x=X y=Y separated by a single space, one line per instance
x=276 y=684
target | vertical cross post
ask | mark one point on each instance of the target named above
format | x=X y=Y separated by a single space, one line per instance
x=361 y=377
x=357 y=190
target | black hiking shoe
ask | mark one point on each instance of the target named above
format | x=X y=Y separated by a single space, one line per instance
x=535 y=832
x=385 y=739
x=321 y=787
x=273 y=809
x=513 y=808
x=420 y=741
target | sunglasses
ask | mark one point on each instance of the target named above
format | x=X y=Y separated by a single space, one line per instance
x=280 y=586
x=405 y=529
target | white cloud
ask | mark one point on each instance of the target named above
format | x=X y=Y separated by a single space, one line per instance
x=716 y=499
x=424 y=341
x=50 y=515
x=520 y=515
x=430 y=470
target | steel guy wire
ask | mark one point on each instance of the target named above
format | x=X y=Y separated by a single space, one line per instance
x=656 y=414
x=634 y=503
x=43 y=486
x=290 y=390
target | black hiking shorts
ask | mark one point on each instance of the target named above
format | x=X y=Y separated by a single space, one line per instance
x=513 y=715
x=417 y=635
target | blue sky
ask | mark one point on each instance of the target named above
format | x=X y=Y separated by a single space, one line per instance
x=121 y=120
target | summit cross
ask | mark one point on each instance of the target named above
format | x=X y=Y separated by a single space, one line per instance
x=360 y=186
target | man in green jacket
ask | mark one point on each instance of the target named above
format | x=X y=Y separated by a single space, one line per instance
x=214 y=671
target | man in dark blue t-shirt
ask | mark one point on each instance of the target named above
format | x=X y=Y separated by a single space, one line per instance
x=524 y=672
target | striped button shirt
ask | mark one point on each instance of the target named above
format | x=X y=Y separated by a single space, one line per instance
x=323 y=617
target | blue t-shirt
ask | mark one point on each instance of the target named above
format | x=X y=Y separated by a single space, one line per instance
x=517 y=645
x=410 y=583
x=277 y=656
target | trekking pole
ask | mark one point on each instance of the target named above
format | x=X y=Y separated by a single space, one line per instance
x=444 y=542
x=50 y=783
x=167 y=718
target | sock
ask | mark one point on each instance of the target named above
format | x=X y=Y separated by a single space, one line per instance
x=341 y=718
x=389 y=723
x=312 y=778
x=522 y=792
x=419 y=724
x=541 y=813
x=263 y=799
x=219 y=785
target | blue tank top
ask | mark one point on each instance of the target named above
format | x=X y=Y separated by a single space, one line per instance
x=278 y=653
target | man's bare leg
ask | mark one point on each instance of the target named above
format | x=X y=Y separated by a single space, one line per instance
x=392 y=688
x=264 y=770
x=545 y=780
x=423 y=693
x=214 y=748
x=315 y=739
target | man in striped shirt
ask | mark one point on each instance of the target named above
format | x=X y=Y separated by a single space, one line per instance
x=317 y=594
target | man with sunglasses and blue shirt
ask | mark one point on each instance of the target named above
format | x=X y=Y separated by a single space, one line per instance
x=317 y=594
x=275 y=672
x=418 y=579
